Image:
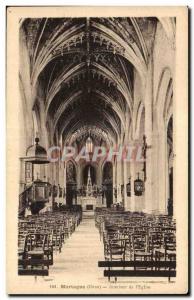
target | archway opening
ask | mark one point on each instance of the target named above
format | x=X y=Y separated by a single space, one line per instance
x=92 y=174
x=71 y=185
x=107 y=183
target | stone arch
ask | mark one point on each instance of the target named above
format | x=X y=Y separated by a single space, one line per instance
x=162 y=95
x=107 y=182
x=92 y=173
x=73 y=164
x=71 y=182
x=139 y=121
x=161 y=114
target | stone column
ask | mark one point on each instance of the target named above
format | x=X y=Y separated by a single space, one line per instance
x=148 y=132
x=125 y=181
x=119 y=181
x=64 y=170
x=155 y=171
x=22 y=176
x=114 y=180
x=78 y=176
x=162 y=173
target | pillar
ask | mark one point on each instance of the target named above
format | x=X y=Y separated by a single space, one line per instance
x=119 y=181
x=114 y=181
x=148 y=133
x=125 y=181
x=162 y=173
x=64 y=182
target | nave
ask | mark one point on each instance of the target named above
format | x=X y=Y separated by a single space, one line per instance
x=96 y=117
x=96 y=138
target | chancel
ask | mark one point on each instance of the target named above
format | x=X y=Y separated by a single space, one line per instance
x=96 y=87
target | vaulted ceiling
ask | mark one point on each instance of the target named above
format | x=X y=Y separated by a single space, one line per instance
x=85 y=69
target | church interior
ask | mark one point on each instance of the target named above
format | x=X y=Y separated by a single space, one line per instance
x=96 y=83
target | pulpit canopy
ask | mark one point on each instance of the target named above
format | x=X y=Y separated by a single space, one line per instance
x=36 y=154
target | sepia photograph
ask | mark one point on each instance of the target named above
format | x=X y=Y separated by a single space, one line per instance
x=97 y=128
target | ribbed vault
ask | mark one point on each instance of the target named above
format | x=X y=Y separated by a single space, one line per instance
x=85 y=70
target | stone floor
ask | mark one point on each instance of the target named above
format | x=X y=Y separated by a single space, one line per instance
x=80 y=255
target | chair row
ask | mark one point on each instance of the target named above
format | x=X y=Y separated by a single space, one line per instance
x=40 y=236
x=129 y=236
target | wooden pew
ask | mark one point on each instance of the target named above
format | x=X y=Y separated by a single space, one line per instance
x=139 y=269
x=31 y=272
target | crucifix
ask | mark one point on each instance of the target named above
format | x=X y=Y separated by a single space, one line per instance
x=144 y=152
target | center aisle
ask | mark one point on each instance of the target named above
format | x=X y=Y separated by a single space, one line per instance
x=80 y=255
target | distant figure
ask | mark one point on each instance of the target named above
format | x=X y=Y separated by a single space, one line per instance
x=27 y=212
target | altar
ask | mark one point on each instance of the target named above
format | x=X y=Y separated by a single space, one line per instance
x=89 y=197
x=89 y=203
